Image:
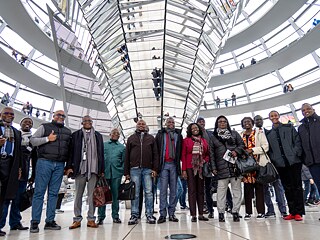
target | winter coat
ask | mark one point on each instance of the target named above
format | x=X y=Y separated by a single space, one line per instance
x=309 y=132
x=291 y=145
x=141 y=153
x=218 y=148
x=161 y=148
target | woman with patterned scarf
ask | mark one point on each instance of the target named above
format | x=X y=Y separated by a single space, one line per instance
x=251 y=187
x=226 y=145
x=195 y=153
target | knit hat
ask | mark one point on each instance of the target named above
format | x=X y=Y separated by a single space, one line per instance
x=199 y=119
x=25 y=119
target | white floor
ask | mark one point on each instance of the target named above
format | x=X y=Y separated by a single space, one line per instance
x=268 y=229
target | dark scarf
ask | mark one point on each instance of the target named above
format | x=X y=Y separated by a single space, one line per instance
x=197 y=160
x=171 y=144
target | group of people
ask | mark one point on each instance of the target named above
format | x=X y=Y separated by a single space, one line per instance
x=201 y=158
x=233 y=101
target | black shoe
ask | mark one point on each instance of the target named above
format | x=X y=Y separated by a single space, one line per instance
x=52 y=226
x=161 y=219
x=203 y=218
x=236 y=217
x=117 y=220
x=151 y=220
x=173 y=218
x=193 y=219
x=133 y=220
x=2 y=233
x=19 y=227
x=211 y=215
x=34 y=227
x=221 y=217
x=100 y=222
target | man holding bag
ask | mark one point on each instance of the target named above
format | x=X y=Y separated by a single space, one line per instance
x=86 y=163
x=114 y=154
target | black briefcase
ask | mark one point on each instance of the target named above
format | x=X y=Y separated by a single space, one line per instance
x=127 y=191
x=26 y=198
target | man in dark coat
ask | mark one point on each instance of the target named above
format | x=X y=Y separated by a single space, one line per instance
x=10 y=162
x=86 y=163
x=169 y=142
x=27 y=153
x=53 y=142
x=309 y=132
x=141 y=164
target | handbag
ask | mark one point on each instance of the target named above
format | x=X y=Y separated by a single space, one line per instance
x=26 y=198
x=267 y=174
x=127 y=191
x=206 y=169
x=247 y=164
x=102 y=193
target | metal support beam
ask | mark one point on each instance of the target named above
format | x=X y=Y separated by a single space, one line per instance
x=16 y=90
x=61 y=73
x=52 y=108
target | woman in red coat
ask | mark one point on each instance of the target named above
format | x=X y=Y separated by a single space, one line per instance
x=195 y=153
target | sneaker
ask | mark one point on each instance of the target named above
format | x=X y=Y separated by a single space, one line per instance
x=75 y=224
x=52 y=226
x=133 y=220
x=34 y=227
x=184 y=208
x=221 y=217
x=2 y=233
x=161 y=219
x=284 y=214
x=173 y=218
x=151 y=220
x=211 y=215
x=289 y=217
x=236 y=217
x=270 y=215
x=298 y=217
x=92 y=224
x=260 y=216
x=247 y=217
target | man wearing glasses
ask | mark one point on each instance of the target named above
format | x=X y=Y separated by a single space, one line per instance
x=10 y=158
x=86 y=163
x=52 y=140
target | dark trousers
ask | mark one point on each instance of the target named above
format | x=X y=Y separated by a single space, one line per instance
x=195 y=192
x=15 y=215
x=59 y=201
x=315 y=172
x=209 y=201
x=249 y=191
x=5 y=169
x=182 y=199
x=292 y=184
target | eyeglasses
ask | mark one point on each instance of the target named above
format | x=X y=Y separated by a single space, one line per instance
x=60 y=115
x=89 y=121
x=8 y=113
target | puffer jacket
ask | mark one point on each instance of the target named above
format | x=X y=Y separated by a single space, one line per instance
x=218 y=148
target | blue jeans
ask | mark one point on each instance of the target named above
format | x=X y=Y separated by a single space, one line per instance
x=182 y=199
x=179 y=189
x=48 y=175
x=278 y=188
x=315 y=172
x=15 y=216
x=314 y=193
x=142 y=176
x=168 y=176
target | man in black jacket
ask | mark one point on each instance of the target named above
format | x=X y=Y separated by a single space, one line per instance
x=52 y=140
x=86 y=163
x=10 y=162
x=309 y=132
x=285 y=151
x=141 y=163
x=169 y=142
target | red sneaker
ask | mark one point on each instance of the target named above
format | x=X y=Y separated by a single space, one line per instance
x=298 y=217
x=289 y=217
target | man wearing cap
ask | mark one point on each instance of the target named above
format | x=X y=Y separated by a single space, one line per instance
x=52 y=140
x=27 y=153
x=209 y=178
x=10 y=146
